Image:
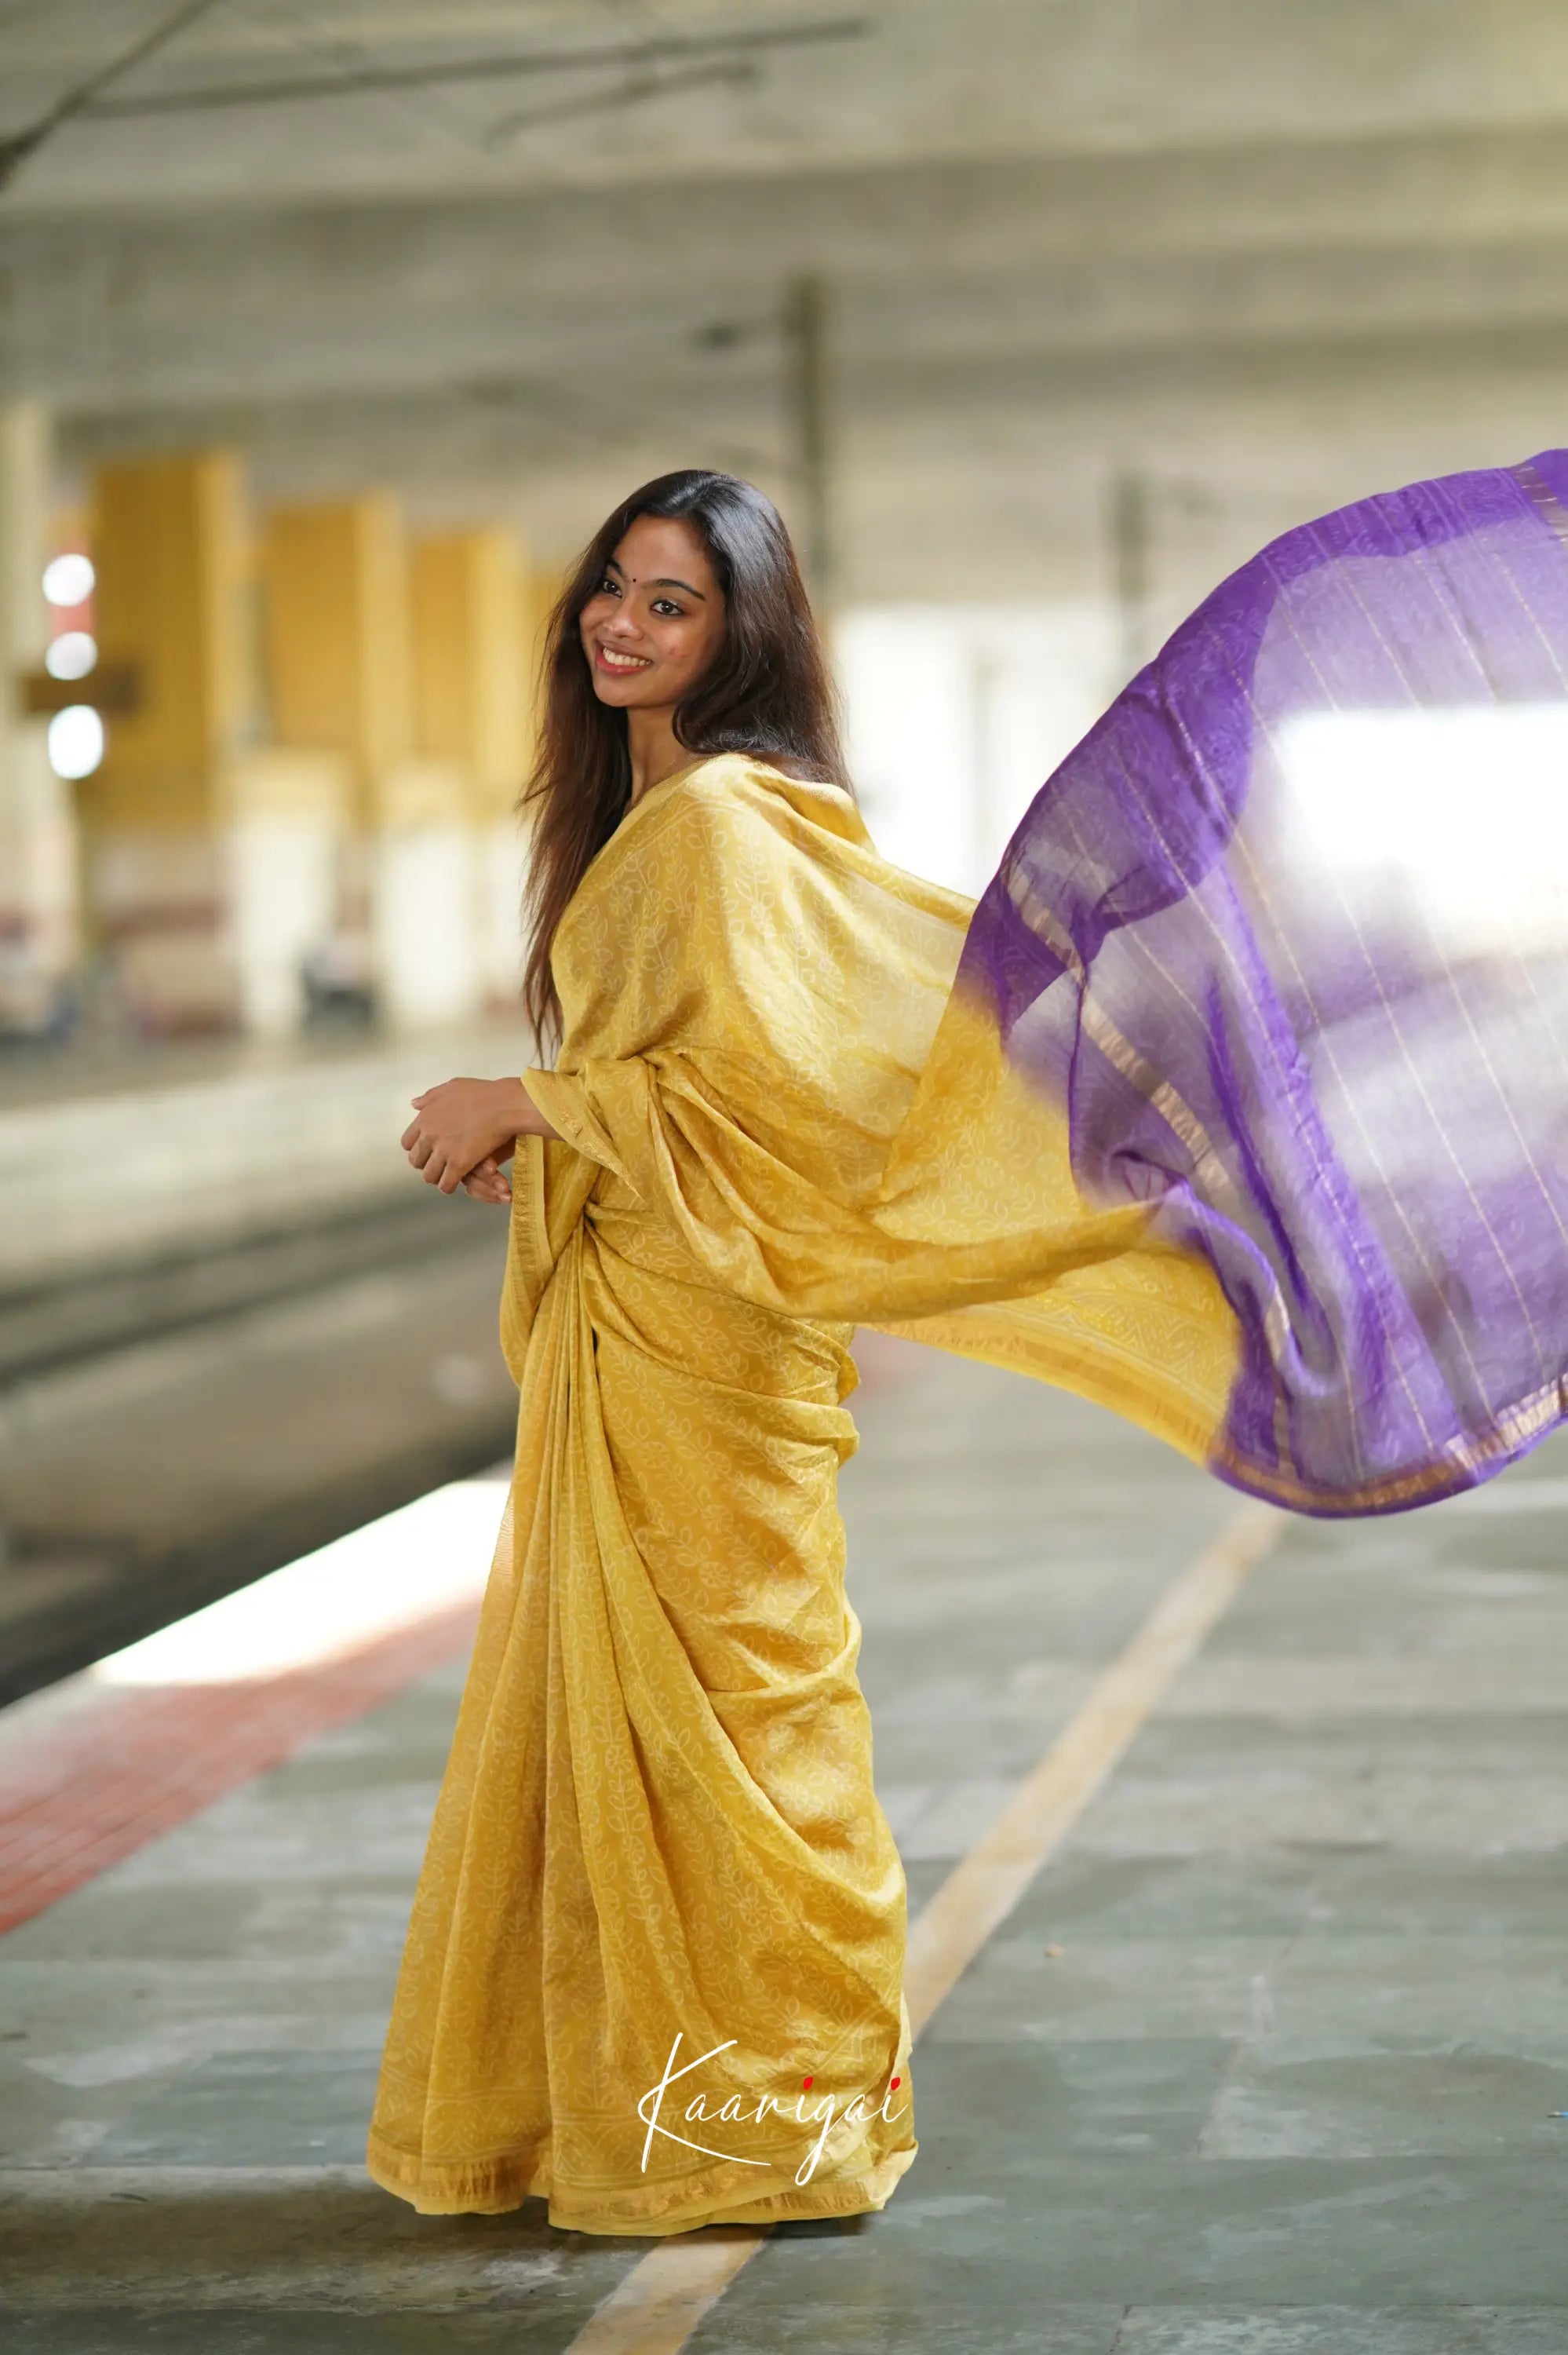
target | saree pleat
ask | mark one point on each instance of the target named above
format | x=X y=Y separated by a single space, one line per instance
x=657 y=1824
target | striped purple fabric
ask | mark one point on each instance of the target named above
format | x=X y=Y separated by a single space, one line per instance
x=1288 y=937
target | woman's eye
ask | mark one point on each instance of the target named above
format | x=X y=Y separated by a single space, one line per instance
x=668 y=605
x=608 y=587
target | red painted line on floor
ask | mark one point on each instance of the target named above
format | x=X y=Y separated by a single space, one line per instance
x=82 y=1791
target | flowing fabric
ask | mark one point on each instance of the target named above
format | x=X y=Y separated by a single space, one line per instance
x=1235 y=1104
x=1287 y=939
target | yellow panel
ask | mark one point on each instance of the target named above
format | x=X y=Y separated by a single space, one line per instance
x=473 y=682
x=443 y=664
x=335 y=588
x=545 y=586
x=169 y=545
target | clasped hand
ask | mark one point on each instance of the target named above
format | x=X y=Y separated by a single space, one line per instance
x=462 y=1131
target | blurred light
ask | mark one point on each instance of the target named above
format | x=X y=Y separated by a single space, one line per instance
x=69 y=580
x=426 y=1559
x=71 y=655
x=76 y=741
x=956 y=714
x=1455 y=817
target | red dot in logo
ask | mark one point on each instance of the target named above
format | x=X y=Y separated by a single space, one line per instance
x=805 y=2083
x=896 y=2082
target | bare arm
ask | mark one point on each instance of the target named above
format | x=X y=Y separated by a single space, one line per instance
x=467 y=1128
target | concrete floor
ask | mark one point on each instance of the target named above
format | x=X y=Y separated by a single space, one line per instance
x=1285 y=2089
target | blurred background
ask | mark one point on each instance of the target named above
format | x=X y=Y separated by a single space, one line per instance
x=329 y=332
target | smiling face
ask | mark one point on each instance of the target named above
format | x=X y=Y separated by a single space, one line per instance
x=656 y=620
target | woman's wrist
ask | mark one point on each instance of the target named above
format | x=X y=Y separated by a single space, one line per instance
x=520 y=1113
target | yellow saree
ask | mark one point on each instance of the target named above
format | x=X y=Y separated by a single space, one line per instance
x=654 y=1969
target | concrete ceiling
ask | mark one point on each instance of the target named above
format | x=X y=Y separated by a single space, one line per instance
x=930 y=82
x=1275 y=250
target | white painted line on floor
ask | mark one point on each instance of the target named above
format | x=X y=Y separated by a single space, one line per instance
x=655 y=2308
x=410 y=1565
x=982 y=1890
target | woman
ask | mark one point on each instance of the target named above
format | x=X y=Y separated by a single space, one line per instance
x=658 y=1839
x=1197 y=1113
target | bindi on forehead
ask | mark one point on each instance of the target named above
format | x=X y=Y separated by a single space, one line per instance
x=658 y=581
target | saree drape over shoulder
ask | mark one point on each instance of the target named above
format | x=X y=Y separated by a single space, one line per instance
x=1236 y=1104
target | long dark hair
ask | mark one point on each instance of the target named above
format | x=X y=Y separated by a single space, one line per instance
x=767 y=692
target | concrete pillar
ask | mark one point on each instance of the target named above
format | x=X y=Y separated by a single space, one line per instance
x=188 y=830
x=335 y=580
x=39 y=931
x=289 y=821
x=168 y=836
x=340 y=678
x=473 y=708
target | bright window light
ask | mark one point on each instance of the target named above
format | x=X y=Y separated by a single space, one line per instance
x=1455 y=816
x=957 y=716
x=76 y=741
x=410 y=1565
x=70 y=579
x=71 y=655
